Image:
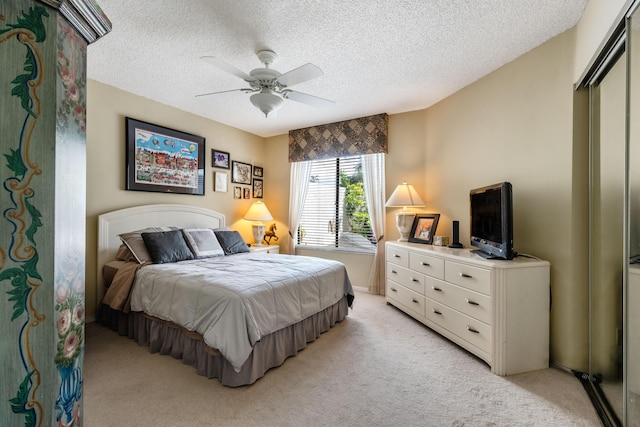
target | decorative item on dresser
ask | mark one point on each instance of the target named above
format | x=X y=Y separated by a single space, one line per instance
x=495 y=309
x=258 y=213
x=404 y=196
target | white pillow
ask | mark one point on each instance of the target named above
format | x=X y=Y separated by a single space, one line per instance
x=202 y=242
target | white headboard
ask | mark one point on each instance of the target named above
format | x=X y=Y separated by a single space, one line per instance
x=113 y=223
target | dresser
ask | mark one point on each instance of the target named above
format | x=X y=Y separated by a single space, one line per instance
x=495 y=309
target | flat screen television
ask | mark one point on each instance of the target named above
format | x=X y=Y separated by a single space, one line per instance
x=492 y=221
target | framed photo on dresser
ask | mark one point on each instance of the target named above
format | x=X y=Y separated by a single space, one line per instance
x=424 y=228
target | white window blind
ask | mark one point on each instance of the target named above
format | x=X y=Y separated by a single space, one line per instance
x=335 y=212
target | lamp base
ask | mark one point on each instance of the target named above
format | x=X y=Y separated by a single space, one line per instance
x=404 y=222
x=258 y=233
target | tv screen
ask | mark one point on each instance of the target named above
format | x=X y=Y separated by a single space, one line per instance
x=492 y=221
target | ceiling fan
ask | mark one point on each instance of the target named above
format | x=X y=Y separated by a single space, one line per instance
x=268 y=86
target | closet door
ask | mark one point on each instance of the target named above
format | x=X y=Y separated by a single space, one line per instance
x=632 y=286
x=607 y=237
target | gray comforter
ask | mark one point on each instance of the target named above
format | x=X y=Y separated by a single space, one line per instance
x=234 y=300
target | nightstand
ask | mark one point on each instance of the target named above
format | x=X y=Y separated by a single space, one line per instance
x=270 y=249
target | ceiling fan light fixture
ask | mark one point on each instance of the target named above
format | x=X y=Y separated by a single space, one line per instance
x=266 y=101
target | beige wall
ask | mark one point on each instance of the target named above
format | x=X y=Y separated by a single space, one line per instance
x=516 y=125
x=523 y=123
x=107 y=108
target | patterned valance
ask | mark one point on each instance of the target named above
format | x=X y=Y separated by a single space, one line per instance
x=366 y=135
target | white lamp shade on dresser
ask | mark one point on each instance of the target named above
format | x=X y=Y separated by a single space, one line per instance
x=404 y=196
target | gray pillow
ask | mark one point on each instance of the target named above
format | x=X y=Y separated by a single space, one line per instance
x=167 y=246
x=231 y=242
x=202 y=242
x=133 y=240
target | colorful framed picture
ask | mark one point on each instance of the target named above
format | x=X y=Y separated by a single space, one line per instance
x=247 y=193
x=220 y=159
x=237 y=192
x=257 y=188
x=220 y=182
x=258 y=171
x=424 y=228
x=240 y=173
x=163 y=160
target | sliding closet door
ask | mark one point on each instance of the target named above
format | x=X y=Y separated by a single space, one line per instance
x=608 y=147
x=632 y=288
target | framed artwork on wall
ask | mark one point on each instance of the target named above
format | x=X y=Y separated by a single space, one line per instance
x=240 y=173
x=163 y=160
x=237 y=192
x=220 y=159
x=220 y=182
x=247 y=193
x=258 y=171
x=424 y=228
x=257 y=188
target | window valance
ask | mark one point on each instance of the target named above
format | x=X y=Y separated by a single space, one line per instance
x=366 y=135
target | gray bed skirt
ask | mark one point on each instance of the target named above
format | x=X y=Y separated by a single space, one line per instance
x=167 y=338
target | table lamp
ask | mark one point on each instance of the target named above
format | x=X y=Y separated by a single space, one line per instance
x=258 y=213
x=404 y=196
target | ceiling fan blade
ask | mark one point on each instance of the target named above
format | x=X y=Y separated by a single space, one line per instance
x=219 y=63
x=305 y=98
x=298 y=75
x=247 y=90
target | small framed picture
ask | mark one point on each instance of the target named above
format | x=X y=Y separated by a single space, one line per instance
x=240 y=173
x=257 y=188
x=258 y=171
x=247 y=193
x=237 y=192
x=219 y=159
x=424 y=228
x=220 y=182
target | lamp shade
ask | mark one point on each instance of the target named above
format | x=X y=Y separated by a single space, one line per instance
x=258 y=212
x=403 y=196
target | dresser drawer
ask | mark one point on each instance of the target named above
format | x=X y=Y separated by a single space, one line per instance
x=469 y=329
x=406 y=277
x=406 y=297
x=398 y=256
x=474 y=278
x=466 y=301
x=426 y=264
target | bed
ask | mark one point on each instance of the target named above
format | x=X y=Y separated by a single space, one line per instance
x=232 y=315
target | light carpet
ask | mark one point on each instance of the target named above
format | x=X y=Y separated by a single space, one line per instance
x=379 y=367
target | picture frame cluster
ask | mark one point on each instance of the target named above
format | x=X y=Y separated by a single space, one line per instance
x=244 y=174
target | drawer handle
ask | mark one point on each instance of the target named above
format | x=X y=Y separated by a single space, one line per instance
x=394 y=290
x=471 y=302
x=436 y=312
x=470 y=329
x=426 y=264
x=414 y=300
x=468 y=276
x=414 y=280
x=436 y=289
x=394 y=272
x=396 y=256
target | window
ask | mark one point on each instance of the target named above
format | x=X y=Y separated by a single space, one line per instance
x=335 y=212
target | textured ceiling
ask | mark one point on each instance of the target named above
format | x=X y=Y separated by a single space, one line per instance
x=378 y=56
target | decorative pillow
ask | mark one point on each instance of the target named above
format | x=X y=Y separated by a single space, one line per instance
x=167 y=246
x=202 y=242
x=134 y=242
x=231 y=242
